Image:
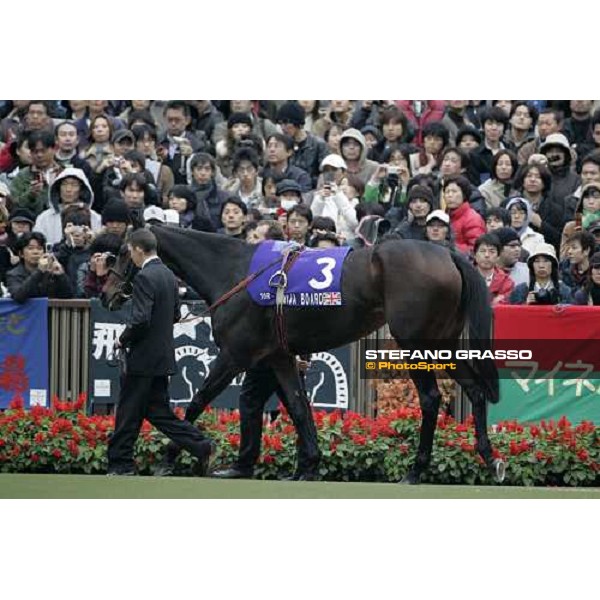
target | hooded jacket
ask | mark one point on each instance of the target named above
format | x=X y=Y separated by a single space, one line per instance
x=366 y=167
x=467 y=225
x=564 y=180
x=529 y=238
x=49 y=221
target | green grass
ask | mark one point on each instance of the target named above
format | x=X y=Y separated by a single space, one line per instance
x=91 y=486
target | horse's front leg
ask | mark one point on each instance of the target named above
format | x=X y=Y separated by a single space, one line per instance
x=429 y=398
x=296 y=402
x=222 y=372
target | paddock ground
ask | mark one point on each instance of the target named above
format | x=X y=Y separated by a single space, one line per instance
x=97 y=486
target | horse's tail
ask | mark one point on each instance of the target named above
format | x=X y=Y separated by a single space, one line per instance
x=476 y=304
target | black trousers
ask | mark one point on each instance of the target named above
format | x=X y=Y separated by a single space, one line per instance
x=148 y=398
x=259 y=385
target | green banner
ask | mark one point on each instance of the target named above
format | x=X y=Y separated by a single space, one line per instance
x=576 y=395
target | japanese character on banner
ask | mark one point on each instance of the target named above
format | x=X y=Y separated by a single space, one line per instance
x=581 y=381
x=105 y=336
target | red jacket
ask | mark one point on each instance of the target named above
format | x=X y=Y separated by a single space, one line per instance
x=433 y=110
x=467 y=225
x=501 y=287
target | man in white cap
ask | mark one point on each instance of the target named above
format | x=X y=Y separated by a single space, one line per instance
x=154 y=215
x=330 y=201
x=437 y=228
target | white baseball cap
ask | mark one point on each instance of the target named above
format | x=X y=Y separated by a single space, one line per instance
x=335 y=161
x=154 y=213
x=440 y=215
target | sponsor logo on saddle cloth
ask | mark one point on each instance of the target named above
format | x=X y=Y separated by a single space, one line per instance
x=314 y=278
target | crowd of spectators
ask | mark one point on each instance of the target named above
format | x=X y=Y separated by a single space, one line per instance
x=514 y=185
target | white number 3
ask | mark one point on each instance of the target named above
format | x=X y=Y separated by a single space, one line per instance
x=329 y=264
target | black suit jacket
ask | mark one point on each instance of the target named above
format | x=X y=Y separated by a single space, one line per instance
x=149 y=335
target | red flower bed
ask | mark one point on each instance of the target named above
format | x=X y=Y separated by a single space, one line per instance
x=354 y=448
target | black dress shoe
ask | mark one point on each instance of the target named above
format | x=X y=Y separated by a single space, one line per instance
x=203 y=465
x=233 y=473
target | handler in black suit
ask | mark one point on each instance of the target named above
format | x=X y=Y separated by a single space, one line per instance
x=150 y=359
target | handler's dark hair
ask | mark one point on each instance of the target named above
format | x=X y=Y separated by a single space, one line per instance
x=143 y=239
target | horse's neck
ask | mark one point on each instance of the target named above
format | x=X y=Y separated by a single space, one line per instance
x=206 y=262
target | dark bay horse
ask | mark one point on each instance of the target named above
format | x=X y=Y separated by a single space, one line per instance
x=421 y=290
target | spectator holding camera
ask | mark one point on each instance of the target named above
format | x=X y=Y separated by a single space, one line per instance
x=74 y=249
x=544 y=285
x=92 y=275
x=330 y=201
x=389 y=183
x=178 y=145
x=39 y=274
x=71 y=187
x=29 y=189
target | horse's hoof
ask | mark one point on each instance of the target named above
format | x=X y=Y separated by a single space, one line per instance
x=410 y=479
x=499 y=469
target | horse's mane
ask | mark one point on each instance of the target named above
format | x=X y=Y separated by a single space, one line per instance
x=192 y=234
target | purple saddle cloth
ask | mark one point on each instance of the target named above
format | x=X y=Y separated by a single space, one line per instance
x=315 y=278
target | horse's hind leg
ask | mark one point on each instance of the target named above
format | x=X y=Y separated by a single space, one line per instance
x=429 y=398
x=466 y=378
x=484 y=447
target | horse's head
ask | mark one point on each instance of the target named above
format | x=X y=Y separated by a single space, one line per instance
x=119 y=284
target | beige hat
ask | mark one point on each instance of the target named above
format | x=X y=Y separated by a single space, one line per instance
x=543 y=250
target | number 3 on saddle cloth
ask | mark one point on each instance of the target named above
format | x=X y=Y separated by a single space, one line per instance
x=314 y=278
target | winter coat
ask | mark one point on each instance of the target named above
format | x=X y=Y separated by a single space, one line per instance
x=564 y=184
x=433 y=110
x=24 y=197
x=571 y=276
x=494 y=192
x=338 y=208
x=71 y=258
x=308 y=156
x=501 y=287
x=410 y=230
x=519 y=295
x=467 y=225
x=209 y=200
x=23 y=284
x=519 y=273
